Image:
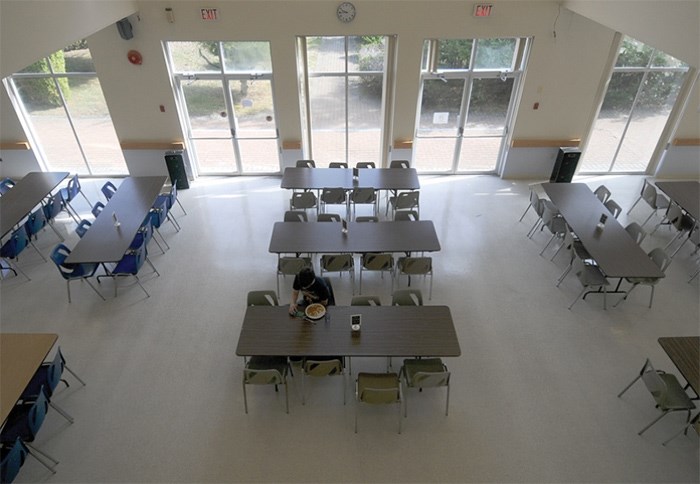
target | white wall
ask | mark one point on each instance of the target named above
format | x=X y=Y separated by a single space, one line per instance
x=563 y=74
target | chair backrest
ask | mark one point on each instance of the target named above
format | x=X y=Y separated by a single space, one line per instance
x=295 y=216
x=333 y=195
x=378 y=388
x=59 y=254
x=37 y=413
x=292 y=265
x=407 y=200
x=660 y=258
x=400 y=164
x=653 y=381
x=649 y=194
x=323 y=367
x=35 y=222
x=262 y=377
x=365 y=164
x=73 y=188
x=337 y=164
x=337 y=262
x=602 y=193
x=636 y=232
x=303 y=200
x=17 y=242
x=6 y=185
x=306 y=164
x=416 y=265
x=97 y=208
x=328 y=217
x=363 y=195
x=366 y=218
x=132 y=261
x=108 y=189
x=407 y=297
x=377 y=261
x=406 y=216
x=69 y=271
x=53 y=206
x=614 y=208
x=83 y=227
x=365 y=301
x=12 y=460
x=262 y=298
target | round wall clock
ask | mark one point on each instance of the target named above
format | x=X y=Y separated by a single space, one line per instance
x=346 y=12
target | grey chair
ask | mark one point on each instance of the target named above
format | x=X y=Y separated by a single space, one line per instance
x=655 y=200
x=262 y=298
x=590 y=277
x=666 y=390
x=333 y=196
x=534 y=202
x=290 y=266
x=415 y=266
x=662 y=260
x=377 y=262
x=406 y=216
x=378 y=389
x=693 y=424
x=319 y=367
x=366 y=164
x=540 y=207
x=339 y=263
x=306 y=164
x=555 y=223
x=329 y=217
x=602 y=193
x=613 y=207
x=404 y=201
x=364 y=196
x=266 y=370
x=400 y=164
x=576 y=251
x=337 y=164
x=683 y=223
x=425 y=373
x=295 y=216
x=303 y=201
x=407 y=297
x=366 y=218
x=636 y=232
x=365 y=301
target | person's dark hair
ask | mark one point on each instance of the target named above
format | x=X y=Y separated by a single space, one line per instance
x=306 y=276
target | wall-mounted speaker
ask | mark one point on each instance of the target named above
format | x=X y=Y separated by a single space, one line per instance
x=125 y=29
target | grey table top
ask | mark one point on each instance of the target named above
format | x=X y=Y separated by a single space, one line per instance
x=378 y=178
x=616 y=253
x=19 y=201
x=327 y=237
x=385 y=331
x=684 y=193
x=131 y=203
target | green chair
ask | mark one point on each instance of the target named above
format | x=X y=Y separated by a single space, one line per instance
x=693 y=424
x=407 y=297
x=262 y=298
x=321 y=366
x=377 y=262
x=662 y=260
x=365 y=301
x=266 y=370
x=290 y=266
x=339 y=263
x=415 y=266
x=378 y=389
x=666 y=390
x=425 y=373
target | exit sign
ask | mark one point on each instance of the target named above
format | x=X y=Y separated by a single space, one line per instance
x=209 y=13
x=482 y=9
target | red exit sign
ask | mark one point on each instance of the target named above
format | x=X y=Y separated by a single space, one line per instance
x=209 y=13
x=482 y=9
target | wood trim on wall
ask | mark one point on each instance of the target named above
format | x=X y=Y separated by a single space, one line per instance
x=15 y=145
x=291 y=144
x=152 y=145
x=545 y=143
x=686 y=142
x=403 y=144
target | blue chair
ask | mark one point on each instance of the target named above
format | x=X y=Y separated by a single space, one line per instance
x=172 y=199
x=69 y=193
x=73 y=272
x=159 y=214
x=35 y=223
x=108 y=190
x=169 y=201
x=11 y=249
x=12 y=459
x=53 y=205
x=97 y=208
x=83 y=227
x=143 y=237
x=24 y=422
x=6 y=185
x=129 y=265
x=48 y=376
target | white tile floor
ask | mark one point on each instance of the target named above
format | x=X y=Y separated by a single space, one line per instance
x=533 y=394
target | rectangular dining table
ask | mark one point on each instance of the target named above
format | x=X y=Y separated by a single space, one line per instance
x=684 y=352
x=106 y=241
x=385 y=331
x=613 y=249
x=21 y=354
x=684 y=193
x=27 y=193
x=377 y=178
x=327 y=237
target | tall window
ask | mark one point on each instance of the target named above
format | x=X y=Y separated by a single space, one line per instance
x=224 y=92
x=642 y=90
x=60 y=101
x=466 y=103
x=343 y=106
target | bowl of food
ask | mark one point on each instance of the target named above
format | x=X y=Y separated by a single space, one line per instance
x=315 y=311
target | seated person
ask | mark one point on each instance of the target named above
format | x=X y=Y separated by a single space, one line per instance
x=312 y=288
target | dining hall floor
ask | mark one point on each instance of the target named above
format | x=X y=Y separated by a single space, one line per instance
x=534 y=394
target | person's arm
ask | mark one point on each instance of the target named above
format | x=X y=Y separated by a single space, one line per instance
x=293 y=303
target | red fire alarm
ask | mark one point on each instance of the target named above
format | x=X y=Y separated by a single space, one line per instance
x=135 y=57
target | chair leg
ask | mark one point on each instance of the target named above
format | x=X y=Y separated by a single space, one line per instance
x=578 y=297
x=564 y=274
x=628 y=386
x=245 y=396
x=653 y=422
x=447 y=403
x=41 y=461
x=41 y=453
x=93 y=288
x=626 y=295
x=286 y=395
x=181 y=207
x=56 y=231
x=523 y=215
x=651 y=298
x=44 y=258
x=634 y=205
x=63 y=413
x=152 y=266
x=74 y=375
